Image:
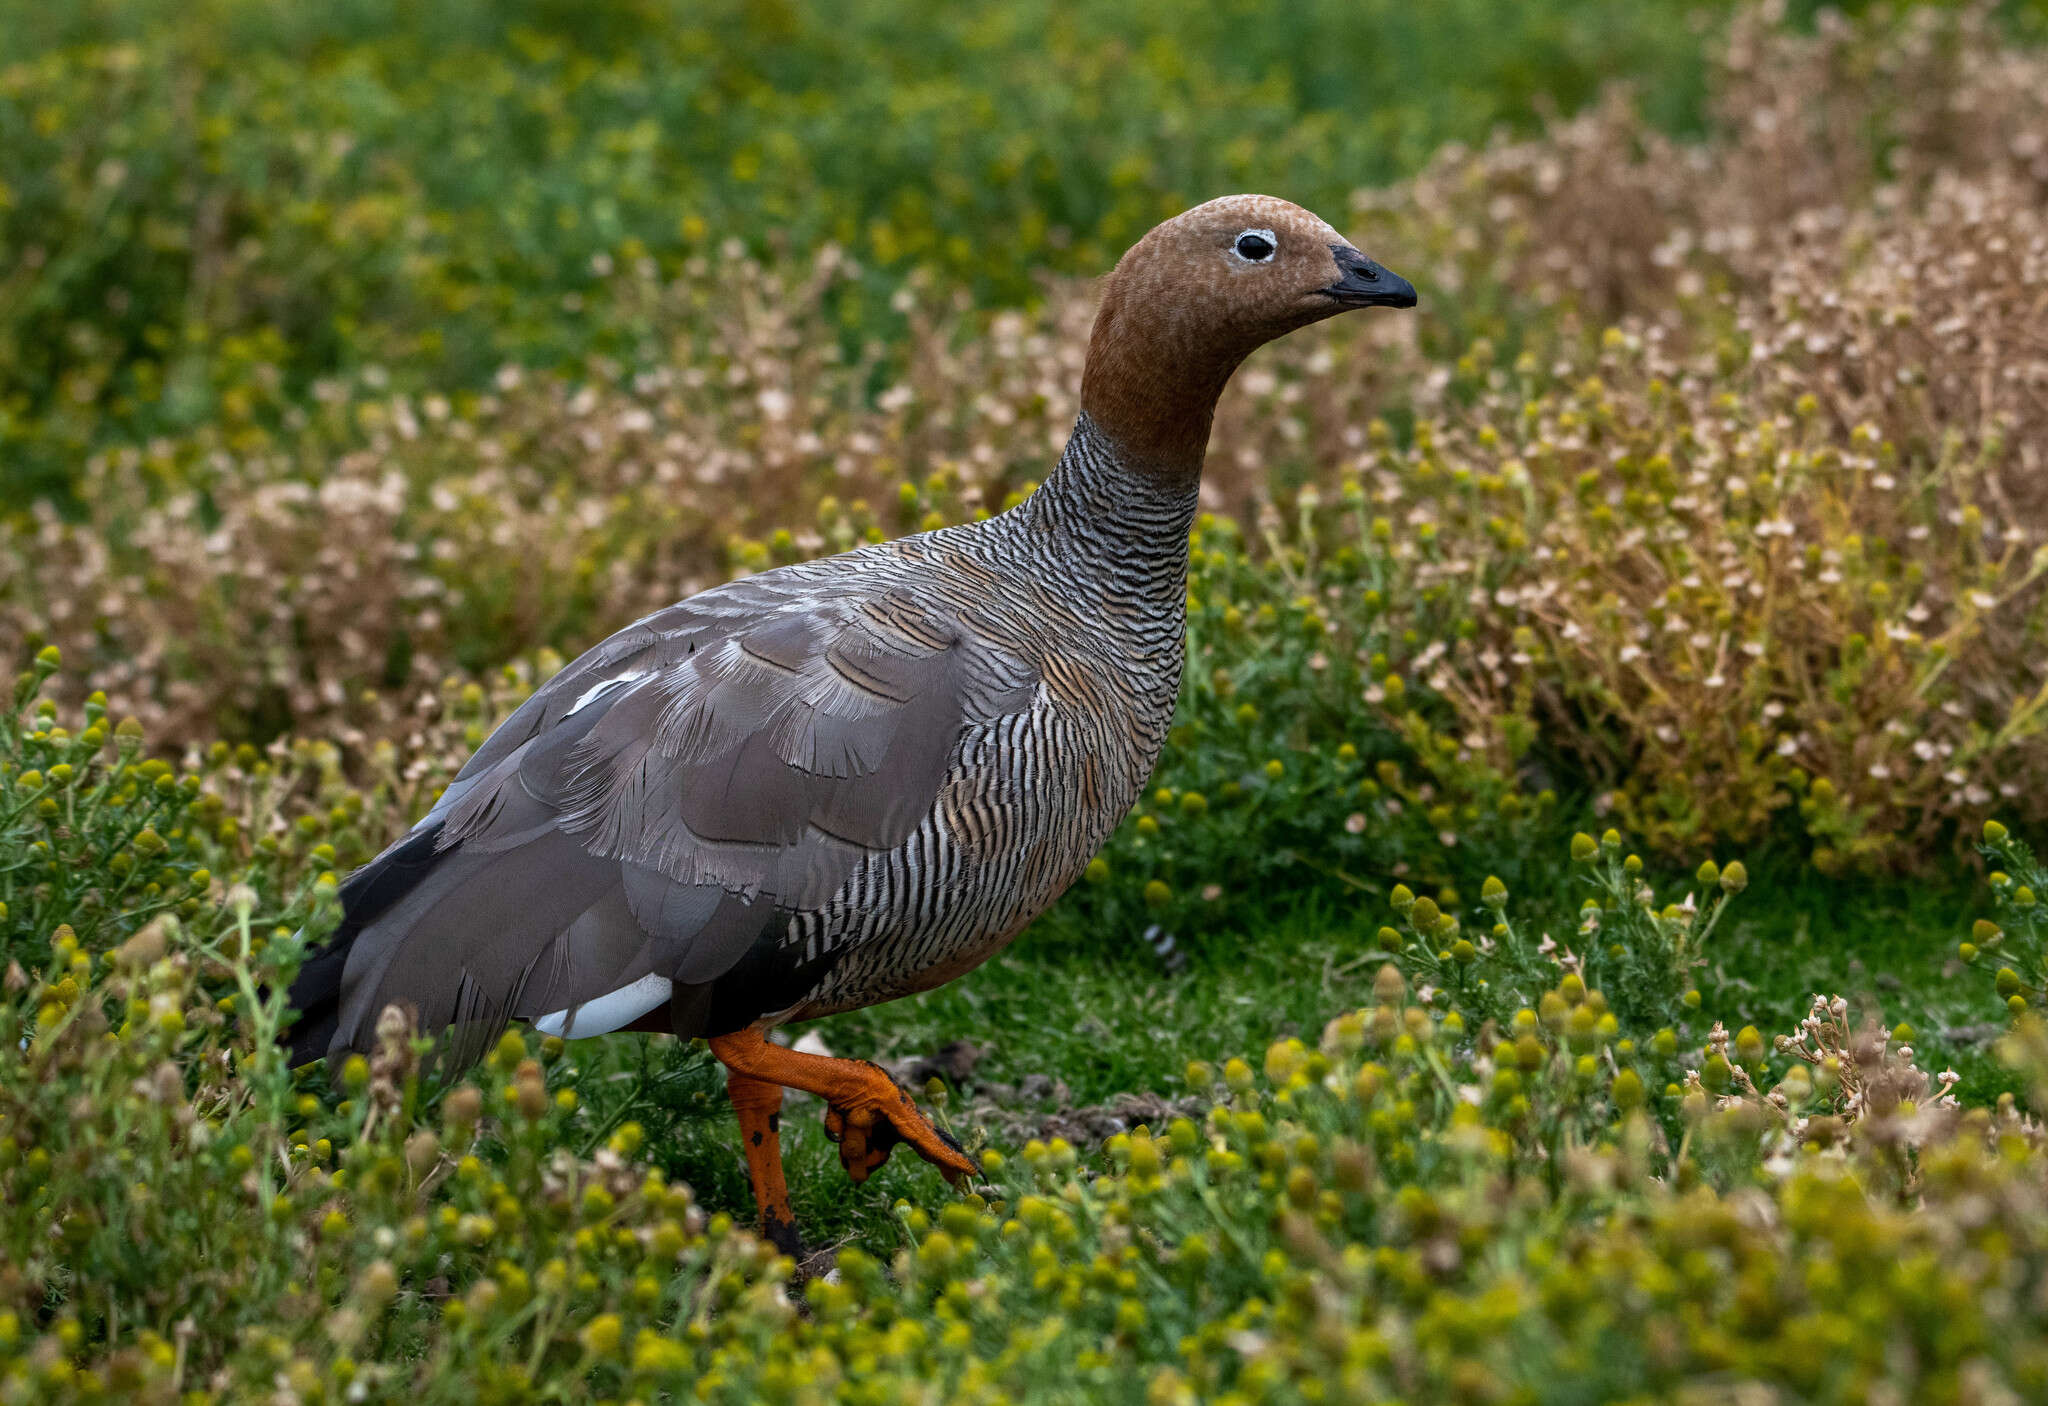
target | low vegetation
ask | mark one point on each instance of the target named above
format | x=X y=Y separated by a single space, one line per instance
x=1583 y=674
x=206 y=208
x=1492 y=1182
x=1669 y=514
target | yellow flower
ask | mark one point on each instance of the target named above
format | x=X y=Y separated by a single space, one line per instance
x=1627 y=1090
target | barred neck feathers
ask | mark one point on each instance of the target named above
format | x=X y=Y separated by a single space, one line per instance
x=1114 y=520
x=1194 y=298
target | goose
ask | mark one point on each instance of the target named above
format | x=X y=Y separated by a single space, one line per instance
x=852 y=779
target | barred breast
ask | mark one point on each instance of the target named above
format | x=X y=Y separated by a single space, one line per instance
x=1029 y=798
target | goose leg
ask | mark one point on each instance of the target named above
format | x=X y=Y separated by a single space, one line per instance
x=867 y=1115
x=759 y=1106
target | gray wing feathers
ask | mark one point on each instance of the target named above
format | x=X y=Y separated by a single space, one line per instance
x=451 y=947
x=650 y=807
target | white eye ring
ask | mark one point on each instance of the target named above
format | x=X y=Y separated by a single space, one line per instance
x=1267 y=236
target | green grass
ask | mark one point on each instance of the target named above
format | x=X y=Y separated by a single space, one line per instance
x=1097 y=1011
x=1891 y=948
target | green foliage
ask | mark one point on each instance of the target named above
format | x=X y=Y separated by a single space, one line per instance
x=100 y=839
x=86 y=838
x=207 y=1222
x=1428 y=1202
x=1625 y=944
x=1757 y=547
x=2014 y=946
x=206 y=206
x=1669 y=513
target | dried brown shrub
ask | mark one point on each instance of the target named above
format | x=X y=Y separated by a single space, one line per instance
x=1837 y=298
x=1871 y=203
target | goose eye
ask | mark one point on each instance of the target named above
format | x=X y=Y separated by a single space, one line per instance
x=1256 y=246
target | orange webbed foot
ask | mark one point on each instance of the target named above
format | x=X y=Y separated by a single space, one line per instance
x=866 y=1113
x=869 y=1126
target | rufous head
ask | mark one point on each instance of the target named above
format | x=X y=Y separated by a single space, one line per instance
x=1194 y=298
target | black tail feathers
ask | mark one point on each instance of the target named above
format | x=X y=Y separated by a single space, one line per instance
x=369 y=892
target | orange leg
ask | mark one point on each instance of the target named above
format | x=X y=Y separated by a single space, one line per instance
x=866 y=1114
x=759 y=1106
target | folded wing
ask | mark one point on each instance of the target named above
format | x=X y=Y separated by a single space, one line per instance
x=652 y=819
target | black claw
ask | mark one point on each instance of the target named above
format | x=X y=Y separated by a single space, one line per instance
x=782 y=1234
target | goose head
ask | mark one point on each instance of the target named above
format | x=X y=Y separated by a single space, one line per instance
x=1197 y=295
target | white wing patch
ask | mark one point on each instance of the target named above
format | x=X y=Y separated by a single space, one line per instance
x=597 y=690
x=609 y=1012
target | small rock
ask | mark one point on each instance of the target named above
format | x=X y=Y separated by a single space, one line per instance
x=954 y=1062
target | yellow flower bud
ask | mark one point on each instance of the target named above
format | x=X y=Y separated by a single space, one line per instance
x=600 y=1336
x=1388 y=987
